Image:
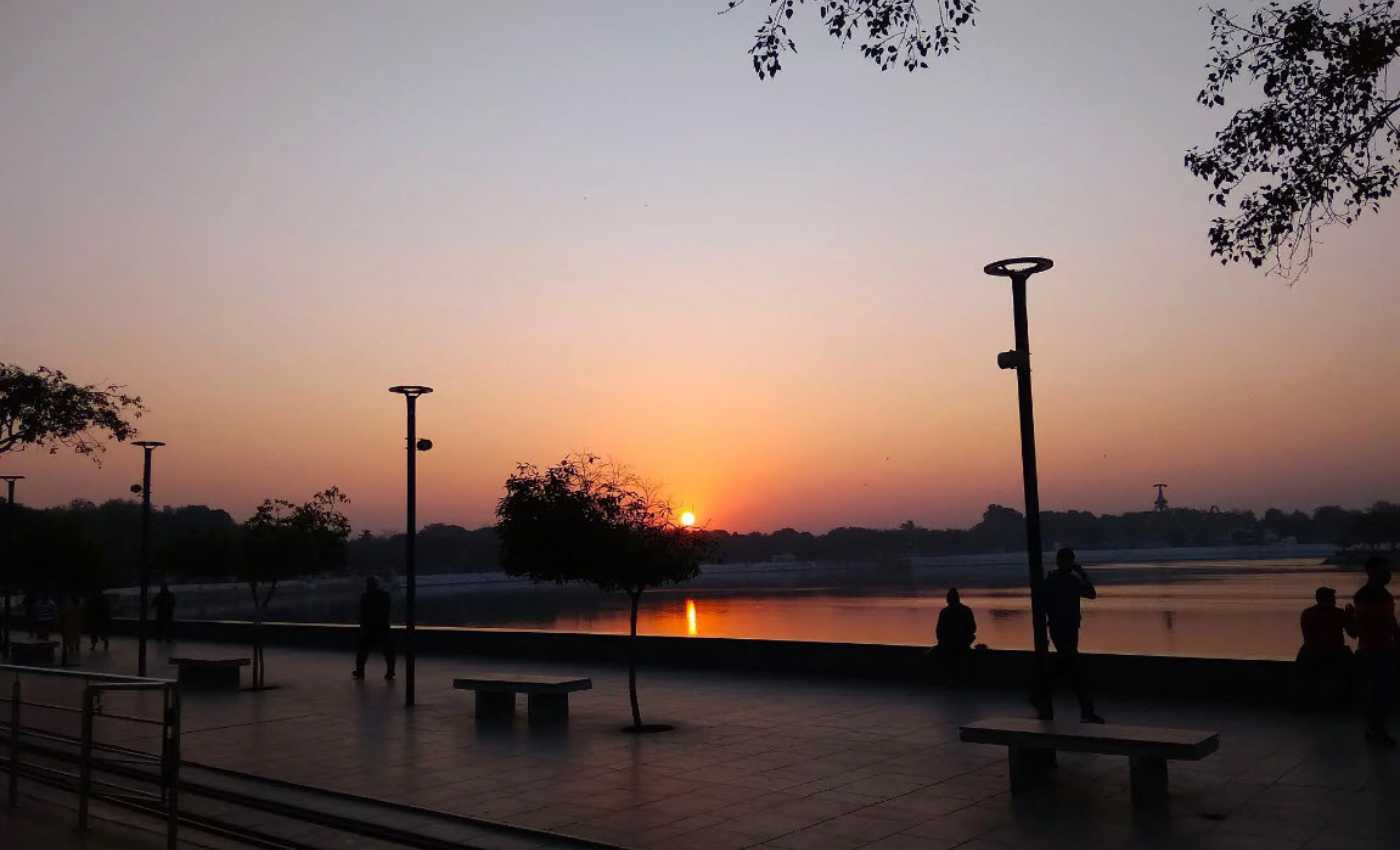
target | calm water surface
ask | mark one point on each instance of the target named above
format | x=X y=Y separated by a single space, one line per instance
x=1237 y=609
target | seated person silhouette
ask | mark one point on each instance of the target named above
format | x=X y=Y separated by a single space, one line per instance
x=955 y=633
x=1323 y=668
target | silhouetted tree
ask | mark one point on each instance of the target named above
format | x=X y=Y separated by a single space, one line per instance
x=1002 y=529
x=1380 y=525
x=52 y=552
x=1318 y=146
x=582 y=520
x=890 y=32
x=1331 y=524
x=43 y=408
x=283 y=540
x=193 y=551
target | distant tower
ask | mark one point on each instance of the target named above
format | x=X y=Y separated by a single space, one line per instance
x=1160 y=504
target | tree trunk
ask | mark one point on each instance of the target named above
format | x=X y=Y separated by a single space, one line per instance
x=262 y=615
x=257 y=648
x=257 y=626
x=632 y=662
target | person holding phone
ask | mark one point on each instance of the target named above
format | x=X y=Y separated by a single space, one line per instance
x=1061 y=593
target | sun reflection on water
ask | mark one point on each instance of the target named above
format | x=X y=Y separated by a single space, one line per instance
x=690 y=617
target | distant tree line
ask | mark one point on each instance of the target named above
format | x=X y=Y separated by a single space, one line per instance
x=1003 y=529
x=86 y=545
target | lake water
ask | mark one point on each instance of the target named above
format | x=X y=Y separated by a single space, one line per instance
x=1232 y=608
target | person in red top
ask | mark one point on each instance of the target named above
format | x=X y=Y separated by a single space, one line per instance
x=1324 y=663
x=1377 y=641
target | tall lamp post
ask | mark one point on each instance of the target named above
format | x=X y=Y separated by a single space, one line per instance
x=6 y=587
x=1019 y=269
x=147 y=446
x=414 y=445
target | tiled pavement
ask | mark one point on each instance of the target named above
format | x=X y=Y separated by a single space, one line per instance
x=782 y=762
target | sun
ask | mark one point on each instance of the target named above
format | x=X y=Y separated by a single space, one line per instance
x=688 y=518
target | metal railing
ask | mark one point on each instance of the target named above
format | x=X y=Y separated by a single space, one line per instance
x=51 y=745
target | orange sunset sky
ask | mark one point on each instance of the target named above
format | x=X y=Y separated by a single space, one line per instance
x=589 y=226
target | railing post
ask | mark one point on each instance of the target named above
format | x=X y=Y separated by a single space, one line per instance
x=165 y=740
x=14 y=742
x=172 y=800
x=85 y=763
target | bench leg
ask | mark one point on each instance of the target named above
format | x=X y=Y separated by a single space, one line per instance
x=548 y=708
x=494 y=704
x=1149 y=781
x=1028 y=766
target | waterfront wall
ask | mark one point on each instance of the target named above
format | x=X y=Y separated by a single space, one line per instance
x=1128 y=675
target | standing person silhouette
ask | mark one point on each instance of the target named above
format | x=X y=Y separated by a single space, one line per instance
x=70 y=624
x=1060 y=594
x=164 y=603
x=44 y=617
x=1377 y=645
x=374 y=629
x=98 y=619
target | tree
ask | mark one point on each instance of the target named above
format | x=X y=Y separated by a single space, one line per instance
x=1318 y=149
x=43 y=408
x=583 y=520
x=1321 y=147
x=1332 y=524
x=1002 y=529
x=894 y=33
x=1378 y=526
x=52 y=552
x=283 y=540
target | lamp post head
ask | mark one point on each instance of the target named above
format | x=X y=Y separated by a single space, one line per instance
x=148 y=445
x=11 y=477
x=1019 y=267
x=410 y=390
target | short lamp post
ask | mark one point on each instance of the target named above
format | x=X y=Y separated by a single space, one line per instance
x=414 y=445
x=1019 y=270
x=6 y=586
x=144 y=488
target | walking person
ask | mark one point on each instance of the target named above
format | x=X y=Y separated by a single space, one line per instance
x=44 y=617
x=1377 y=646
x=31 y=601
x=98 y=619
x=374 y=629
x=70 y=625
x=164 y=603
x=1060 y=594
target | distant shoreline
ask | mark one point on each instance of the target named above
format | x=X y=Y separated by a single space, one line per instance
x=1006 y=566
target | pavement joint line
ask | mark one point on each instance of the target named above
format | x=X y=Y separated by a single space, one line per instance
x=260 y=722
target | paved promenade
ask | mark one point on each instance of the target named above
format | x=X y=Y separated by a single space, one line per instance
x=780 y=762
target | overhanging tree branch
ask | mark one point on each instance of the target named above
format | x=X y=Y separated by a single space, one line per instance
x=43 y=408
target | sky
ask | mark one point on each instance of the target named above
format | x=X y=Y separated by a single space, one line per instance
x=590 y=227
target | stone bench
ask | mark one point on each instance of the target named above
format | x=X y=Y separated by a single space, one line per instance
x=548 y=696
x=1032 y=745
x=32 y=653
x=213 y=673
